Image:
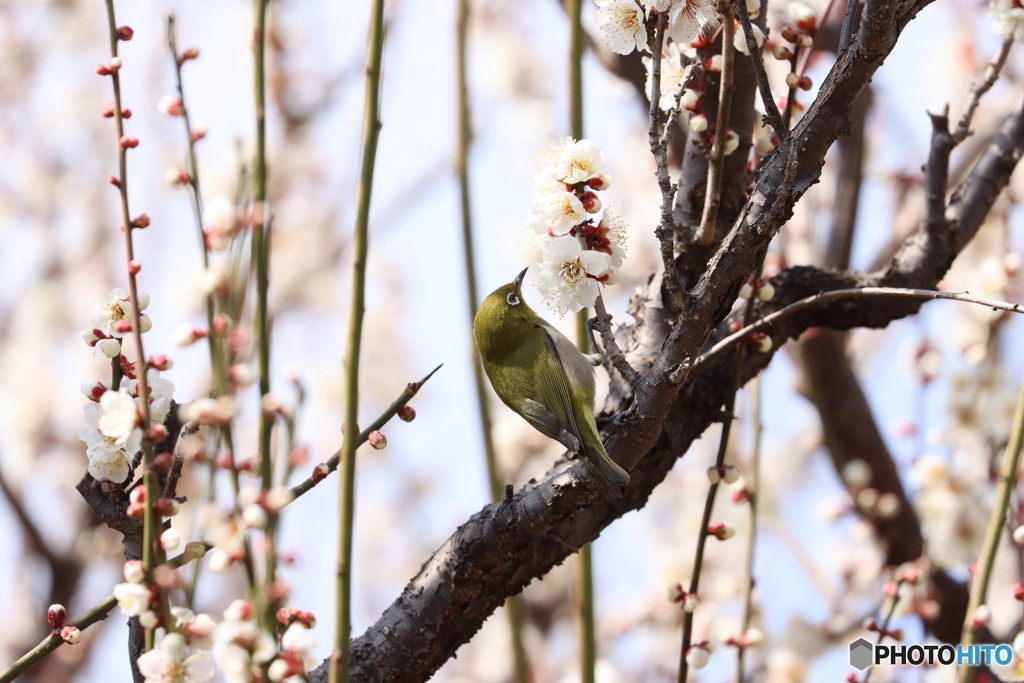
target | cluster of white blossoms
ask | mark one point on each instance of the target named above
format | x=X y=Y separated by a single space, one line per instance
x=1007 y=18
x=113 y=419
x=579 y=251
x=238 y=645
x=622 y=26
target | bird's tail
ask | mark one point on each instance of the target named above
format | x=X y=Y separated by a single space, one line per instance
x=600 y=463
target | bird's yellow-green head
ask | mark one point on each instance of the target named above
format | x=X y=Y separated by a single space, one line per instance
x=503 y=317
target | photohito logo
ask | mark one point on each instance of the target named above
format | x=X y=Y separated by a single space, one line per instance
x=864 y=654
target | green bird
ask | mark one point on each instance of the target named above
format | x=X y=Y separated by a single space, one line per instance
x=537 y=372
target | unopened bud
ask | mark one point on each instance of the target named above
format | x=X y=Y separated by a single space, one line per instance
x=320 y=472
x=113 y=181
x=156 y=434
x=806 y=42
x=714 y=64
x=149 y=620
x=701 y=41
x=698 y=123
x=134 y=266
x=134 y=571
x=804 y=83
x=167 y=507
x=193 y=551
x=782 y=52
x=197 y=132
x=176 y=177
x=676 y=592
x=980 y=617
x=690 y=603
x=108 y=113
x=591 y=204
x=697 y=657
x=136 y=511
x=125 y=33
x=803 y=16
x=377 y=440
x=115 y=63
x=406 y=413
x=732 y=142
x=129 y=142
x=735 y=326
x=761 y=341
x=55 y=616
x=600 y=181
x=254 y=516
x=170 y=105
x=186 y=335
x=141 y=221
x=721 y=531
x=1018 y=591
x=746 y=291
x=714 y=475
x=102 y=69
x=190 y=53
x=791 y=34
x=730 y=474
x=170 y=539
x=126 y=113
x=766 y=292
x=70 y=635
x=792 y=79
x=690 y=100
x=242 y=375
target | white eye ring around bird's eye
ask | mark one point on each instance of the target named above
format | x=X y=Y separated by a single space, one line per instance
x=512 y=299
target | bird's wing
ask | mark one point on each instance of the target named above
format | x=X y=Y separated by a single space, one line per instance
x=554 y=391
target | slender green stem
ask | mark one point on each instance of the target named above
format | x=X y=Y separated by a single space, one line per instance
x=513 y=608
x=713 y=191
x=996 y=523
x=151 y=520
x=53 y=641
x=260 y=250
x=709 y=503
x=360 y=242
x=746 y=602
x=584 y=575
x=883 y=630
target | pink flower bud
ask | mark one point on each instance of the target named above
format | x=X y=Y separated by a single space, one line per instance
x=171 y=105
x=170 y=539
x=406 y=413
x=980 y=617
x=162 y=462
x=803 y=16
x=791 y=34
x=600 y=181
x=141 y=221
x=136 y=511
x=721 y=531
x=113 y=181
x=190 y=53
x=690 y=100
x=70 y=635
x=156 y=434
x=125 y=33
x=137 y=496
x=1018 y=591
x=134 y=267
x=889 y=589
x=782 y=52
x=239 y=610
x=126 y=113
x=735 y=326
x=698 y=123
x=108 y=113
x=186 y=335
x=804 y=83
x=55 y=616
x=320 y=472
x=161 y=362
x=134 y=571
x=102 y=69
x=166 y=507
x=175 y=177
x=129 y=142
x=197 y=132
x=242 y=375
x=377 y=440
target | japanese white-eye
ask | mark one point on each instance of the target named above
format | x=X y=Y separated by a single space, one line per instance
x=537 y=372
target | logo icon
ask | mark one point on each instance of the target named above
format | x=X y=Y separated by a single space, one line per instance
x=860 y=654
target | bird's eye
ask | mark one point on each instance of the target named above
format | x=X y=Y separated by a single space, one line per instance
x=512 y=299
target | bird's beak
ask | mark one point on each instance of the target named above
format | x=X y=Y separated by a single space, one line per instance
x=518 y=282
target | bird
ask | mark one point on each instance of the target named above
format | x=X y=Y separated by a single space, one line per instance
x=541 y=375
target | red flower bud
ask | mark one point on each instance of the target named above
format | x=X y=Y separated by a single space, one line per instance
x=55 y=616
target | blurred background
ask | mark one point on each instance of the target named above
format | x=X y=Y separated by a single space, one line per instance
x=941 y=385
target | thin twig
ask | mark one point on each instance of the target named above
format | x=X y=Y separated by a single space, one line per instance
x=746 y=601
x=833 y=295
x=151 y=519
x=53 y=641
x=716 y=164
x=996 y=522
x=883 y=630
x=787 y=115
x=772 y=116
x=332 y=463
x=602 y=322
x=979 y=88
x=659 y=148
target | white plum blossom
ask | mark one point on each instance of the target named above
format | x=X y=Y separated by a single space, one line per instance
x=241 y=646
x=575 y=161
x=161 y=392
x=611 y=232
x=687 y=18
x=110 y=447
x=220 y=222
x=115 y=308
x=621 y=23
x=672 y=75
x=739 y=38
x=567 y=275
x=173 y=661
x=1007 y=18
x=120 y=418
x=562 y=209
x=133 y=598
